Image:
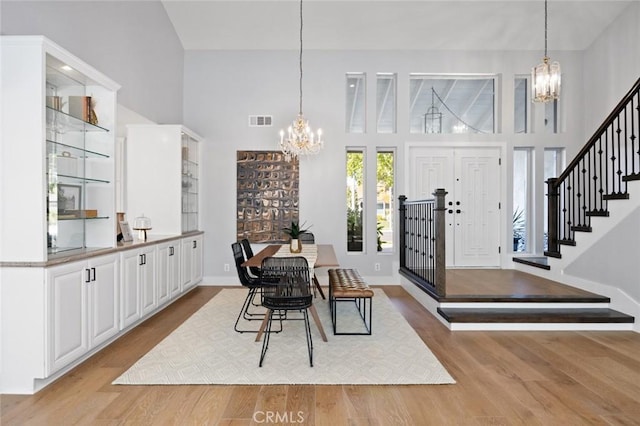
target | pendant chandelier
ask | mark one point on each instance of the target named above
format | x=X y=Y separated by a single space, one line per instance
x=545 y=77
x=433 y=117
x=300 y=139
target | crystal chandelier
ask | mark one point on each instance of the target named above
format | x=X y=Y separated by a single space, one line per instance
x=300 y=139
x=545 y=77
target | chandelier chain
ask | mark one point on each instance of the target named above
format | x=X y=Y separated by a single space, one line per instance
x=300 y=139
x=433 y=92
x=300 y=57
x=545 y=28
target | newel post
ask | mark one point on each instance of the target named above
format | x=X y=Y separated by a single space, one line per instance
x=440 y=231
x=553 y=198
x=402 y=219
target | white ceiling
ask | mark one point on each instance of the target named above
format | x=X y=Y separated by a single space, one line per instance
x=393 y=24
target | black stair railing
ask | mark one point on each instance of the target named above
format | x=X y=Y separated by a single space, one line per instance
x=422 y=242
x=598 y=173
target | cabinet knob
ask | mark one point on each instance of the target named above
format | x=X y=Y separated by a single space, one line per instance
x=195 y=243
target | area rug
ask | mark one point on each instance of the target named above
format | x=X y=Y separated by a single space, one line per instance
x=206 y=350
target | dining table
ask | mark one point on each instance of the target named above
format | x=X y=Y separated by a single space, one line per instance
x=325 y=257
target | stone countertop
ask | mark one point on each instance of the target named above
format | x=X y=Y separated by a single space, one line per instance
x=86 y=253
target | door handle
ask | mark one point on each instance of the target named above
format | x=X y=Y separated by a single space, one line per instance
x=88 y=279
x=93 y=274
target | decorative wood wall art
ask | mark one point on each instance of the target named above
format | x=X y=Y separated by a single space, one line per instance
x=267 y=195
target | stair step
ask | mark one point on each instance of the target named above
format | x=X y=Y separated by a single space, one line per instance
x=554 y=254
x=581 y=228
x=598 y=213
x=616 y=196
x=532 y=315
x=536 y=261
x=567 y=242
x=633 y=176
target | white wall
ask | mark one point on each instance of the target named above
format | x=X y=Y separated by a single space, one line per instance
x=132 y=42
x=624 y=271
x=223 y=87
x=612 y=66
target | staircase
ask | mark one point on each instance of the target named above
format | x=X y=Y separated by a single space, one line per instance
x=588 y=205
x=590 y=198
x=588 y=312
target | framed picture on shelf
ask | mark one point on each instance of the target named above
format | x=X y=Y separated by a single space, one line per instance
x=69 y=199
x=125 y=229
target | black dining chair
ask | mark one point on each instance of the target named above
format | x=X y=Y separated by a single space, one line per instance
x=253 y=284
x=307 y=237
x=286 y=287
x=248 y=252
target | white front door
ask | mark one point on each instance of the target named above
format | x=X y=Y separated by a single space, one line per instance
x=471 y=176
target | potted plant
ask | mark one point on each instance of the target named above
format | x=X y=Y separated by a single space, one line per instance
x=518 y=227
x=379 y=241
x=354 y=229
x=294 y=232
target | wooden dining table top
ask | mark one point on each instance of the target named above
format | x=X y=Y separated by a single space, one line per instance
x=326 y=256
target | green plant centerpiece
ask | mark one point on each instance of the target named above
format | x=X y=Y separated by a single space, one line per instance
x=294 y=231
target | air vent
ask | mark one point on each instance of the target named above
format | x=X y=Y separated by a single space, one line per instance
x=260 y=120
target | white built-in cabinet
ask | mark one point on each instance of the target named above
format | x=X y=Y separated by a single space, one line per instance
x=54 y=316
x=57 y=133
x=66 y=288
x=171 y=152
x=83 y=302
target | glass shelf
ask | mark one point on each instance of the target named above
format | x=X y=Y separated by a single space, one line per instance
x=64 y=122
x=82 y=179
x=79 y=152
x=81 y=218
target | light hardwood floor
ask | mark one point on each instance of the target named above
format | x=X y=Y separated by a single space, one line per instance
x=503 y=378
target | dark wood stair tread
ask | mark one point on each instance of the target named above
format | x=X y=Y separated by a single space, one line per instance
x=480 y=315
x=633 y=176
x=536 y=261
x=525 y=298
x=597 y=213
x=616 y=196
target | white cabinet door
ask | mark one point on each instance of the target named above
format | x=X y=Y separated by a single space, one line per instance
x=168 y=271
x=173 y=269
x=67 y=325
x=191 y=261
x=147 y=278
x=196 y=259
x=129 y=288
x=162 y=278
x=103 y=299
x=185 y=266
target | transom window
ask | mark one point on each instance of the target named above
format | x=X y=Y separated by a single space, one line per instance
x=452 y=104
